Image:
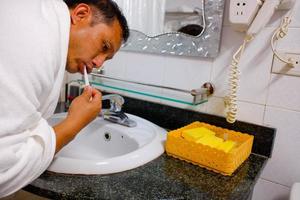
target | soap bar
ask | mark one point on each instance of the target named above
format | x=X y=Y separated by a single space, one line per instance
x=196 y=133
x=227 y=146
x=210 y=140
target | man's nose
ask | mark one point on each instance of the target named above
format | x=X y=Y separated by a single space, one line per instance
x=98 y=61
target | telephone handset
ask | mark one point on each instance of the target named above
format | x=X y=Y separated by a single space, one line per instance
x=264 y=14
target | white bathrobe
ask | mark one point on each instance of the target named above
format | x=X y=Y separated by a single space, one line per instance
x=34 y=36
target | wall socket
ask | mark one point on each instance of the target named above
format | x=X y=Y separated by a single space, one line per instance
x=242 y=13
x=280 y=67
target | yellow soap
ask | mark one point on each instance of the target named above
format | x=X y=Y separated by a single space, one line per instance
x=210 y=140
x=196 y=133
x=227 y=146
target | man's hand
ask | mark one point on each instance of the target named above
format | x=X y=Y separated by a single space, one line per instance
x=85 y=107
x=82 y=111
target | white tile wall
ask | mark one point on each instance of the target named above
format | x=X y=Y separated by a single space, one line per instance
x=231 y=40
x=284 y=92
x=216 y=106
x=143 y=69
x=266 y=190
x=117 y=66
x=255 y=68
x=246 y=111
x=290 y=43
x=192 y=76
x=186 y=73
x=255 y=65
x=284 y=165
x=276 y=19
x=249 y=112
x=139 y=68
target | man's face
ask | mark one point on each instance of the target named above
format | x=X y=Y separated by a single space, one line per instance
x=91 y=45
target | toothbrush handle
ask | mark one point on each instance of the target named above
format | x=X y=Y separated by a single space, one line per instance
x=86 y=79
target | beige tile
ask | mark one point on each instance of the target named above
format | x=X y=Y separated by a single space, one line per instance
x=186 y=73
x=266 y=190
x=290 y=43
x=284 y=92
x=255 y=66
x=248 y=112
x=283 y=166
x=23 y=195
x=279 y=14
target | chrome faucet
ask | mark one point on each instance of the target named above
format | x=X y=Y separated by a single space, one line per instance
x=115 y=113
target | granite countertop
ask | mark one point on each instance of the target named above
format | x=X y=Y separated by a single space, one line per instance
x=165 y=177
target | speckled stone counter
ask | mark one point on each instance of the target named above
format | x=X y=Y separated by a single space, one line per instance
x=165 y=177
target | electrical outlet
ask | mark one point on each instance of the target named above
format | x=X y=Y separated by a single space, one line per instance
x=280 y=67
x=242 y=13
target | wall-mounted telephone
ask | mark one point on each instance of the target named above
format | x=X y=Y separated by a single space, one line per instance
x=251 y=16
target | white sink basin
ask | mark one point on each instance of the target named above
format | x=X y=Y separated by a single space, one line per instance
x=104 y=147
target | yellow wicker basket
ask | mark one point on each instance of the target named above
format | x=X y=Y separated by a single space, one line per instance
x=208 y=157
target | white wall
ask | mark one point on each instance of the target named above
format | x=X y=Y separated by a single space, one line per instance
x=264 y=98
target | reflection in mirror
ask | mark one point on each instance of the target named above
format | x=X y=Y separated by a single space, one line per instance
x=176 y=27
x=157 y=17
x=146 y=16
x=190 y=23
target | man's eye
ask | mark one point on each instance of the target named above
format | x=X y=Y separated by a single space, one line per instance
x=105 y=48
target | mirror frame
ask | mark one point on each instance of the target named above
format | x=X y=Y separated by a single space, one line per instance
x=207 y=45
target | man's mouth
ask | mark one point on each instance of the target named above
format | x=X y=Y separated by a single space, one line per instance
x=89 y=69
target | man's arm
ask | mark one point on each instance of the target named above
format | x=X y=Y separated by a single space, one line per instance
x=84 y=109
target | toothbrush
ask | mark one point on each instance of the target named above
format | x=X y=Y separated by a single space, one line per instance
x=86 y=79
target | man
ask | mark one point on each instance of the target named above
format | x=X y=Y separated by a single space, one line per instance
x=39 y=39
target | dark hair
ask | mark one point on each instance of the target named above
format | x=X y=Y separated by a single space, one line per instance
x=109 y=11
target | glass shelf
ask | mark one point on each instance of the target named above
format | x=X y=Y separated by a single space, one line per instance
x=110 y=88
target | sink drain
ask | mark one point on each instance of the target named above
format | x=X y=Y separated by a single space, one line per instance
x=107 y=136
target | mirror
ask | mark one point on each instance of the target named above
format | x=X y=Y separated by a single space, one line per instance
x=176 y=27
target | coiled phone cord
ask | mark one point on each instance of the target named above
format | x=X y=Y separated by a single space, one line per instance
x=280 y=33
x=233 y=82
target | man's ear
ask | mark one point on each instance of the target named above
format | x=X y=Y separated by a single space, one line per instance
x=81 y=14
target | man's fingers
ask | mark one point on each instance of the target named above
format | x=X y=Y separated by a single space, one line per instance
x=95 y=91
x=87 y=92
x=97 y=96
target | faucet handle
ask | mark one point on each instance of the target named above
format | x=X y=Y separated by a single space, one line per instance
x=114 y=114
x=116 y=102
